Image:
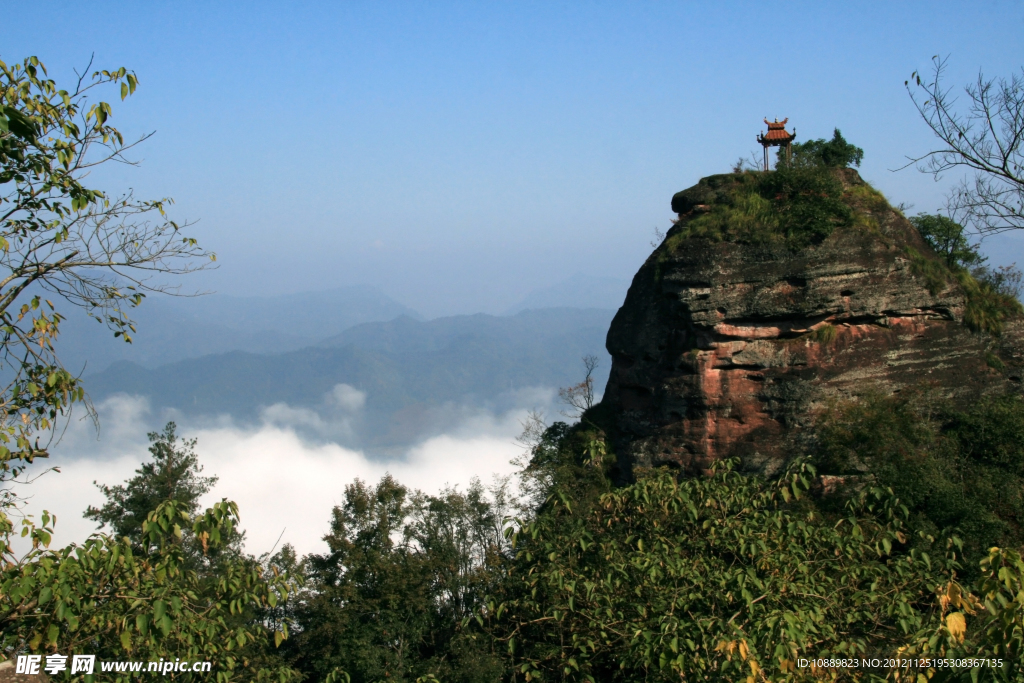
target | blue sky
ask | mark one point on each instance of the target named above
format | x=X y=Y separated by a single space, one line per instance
x=459 y=155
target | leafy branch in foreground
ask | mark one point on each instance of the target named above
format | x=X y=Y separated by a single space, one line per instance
x=109 y=598
x=62 y=239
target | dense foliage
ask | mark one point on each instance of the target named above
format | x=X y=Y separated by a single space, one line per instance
x=724 y=577
x=957 y=471
x=834 y=153
x=171 y=582
x=393 y=597
x=111 y=599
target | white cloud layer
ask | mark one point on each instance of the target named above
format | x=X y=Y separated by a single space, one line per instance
x=281 y=480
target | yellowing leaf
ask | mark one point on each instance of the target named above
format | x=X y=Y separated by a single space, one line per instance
x=956 y=624
x=954 y=593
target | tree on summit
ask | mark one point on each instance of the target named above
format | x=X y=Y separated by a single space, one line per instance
x=834 y=153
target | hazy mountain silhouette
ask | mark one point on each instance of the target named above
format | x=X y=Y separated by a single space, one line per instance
x=175 y=328
x=579 y=291
x=417 y=376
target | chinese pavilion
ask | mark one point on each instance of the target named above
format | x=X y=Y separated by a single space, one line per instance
x=776 y=137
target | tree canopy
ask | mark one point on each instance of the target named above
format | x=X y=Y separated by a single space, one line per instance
x=834 y=153
x=174 y=474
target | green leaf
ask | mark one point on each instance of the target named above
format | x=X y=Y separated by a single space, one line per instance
x=126 y=640
x=142 y=623
x=165 y=625
x=19 y=124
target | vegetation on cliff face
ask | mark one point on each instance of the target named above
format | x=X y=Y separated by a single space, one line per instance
x=957 y=471
x=992 y=295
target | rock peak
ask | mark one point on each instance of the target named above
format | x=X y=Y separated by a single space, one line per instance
x=728 y=345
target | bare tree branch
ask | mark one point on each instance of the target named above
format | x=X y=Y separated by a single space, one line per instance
x=580 y=397
x=983 y=135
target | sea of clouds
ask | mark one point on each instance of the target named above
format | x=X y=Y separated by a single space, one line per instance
x=286 y=471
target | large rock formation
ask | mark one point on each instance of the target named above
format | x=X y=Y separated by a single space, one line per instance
x=724 y=348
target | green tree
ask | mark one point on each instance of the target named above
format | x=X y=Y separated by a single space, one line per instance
x=174 y=474
x=958 y=471
x=108 y=598
x=394 y=596
x=991 y=293
x=734 y=576
x=63 y=241
x=834 y=153
x=948 y=239
x=721 y=577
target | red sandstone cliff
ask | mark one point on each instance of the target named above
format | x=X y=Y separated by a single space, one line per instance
x=724 y=348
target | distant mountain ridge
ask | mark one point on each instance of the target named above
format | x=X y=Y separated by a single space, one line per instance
x=175 y=328
x=412 y=373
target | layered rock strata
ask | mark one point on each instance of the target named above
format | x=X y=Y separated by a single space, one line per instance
x=727 y=349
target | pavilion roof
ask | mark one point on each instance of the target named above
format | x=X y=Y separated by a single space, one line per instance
x=776 y=132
